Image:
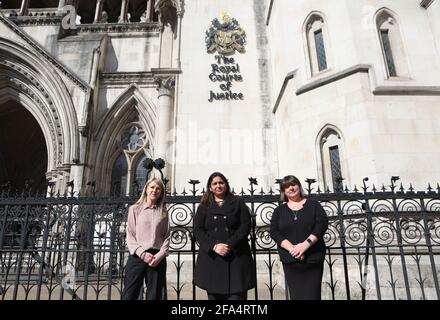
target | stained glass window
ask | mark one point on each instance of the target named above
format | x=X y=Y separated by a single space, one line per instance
x=119 y=176
x=133 y=138
x=140 y=176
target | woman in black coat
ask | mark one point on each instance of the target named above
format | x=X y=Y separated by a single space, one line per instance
x=298 y=227
x=222 y=223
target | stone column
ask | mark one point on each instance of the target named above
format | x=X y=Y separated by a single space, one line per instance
x=51 y=177
x=170 y=13
x=150 y=10
x=177 y=40
x=164 y=119
x=63 y=179
x=95 y=66
x=73 y=3
x=24 y=7
x=123 y=16
x=61 y=4
x=98 y=11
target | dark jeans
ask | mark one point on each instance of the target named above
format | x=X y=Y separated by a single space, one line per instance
x=137 y=271
x=232 y=296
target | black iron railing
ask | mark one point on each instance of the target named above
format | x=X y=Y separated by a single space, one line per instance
x=383 y=244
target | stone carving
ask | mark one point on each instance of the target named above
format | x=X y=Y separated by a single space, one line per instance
x=118 y=28
x=41 y=52
x=144 y=17
x=133 y=138
x=177 y=4
x=225 y=36
x=165 y=82
x=104 y=16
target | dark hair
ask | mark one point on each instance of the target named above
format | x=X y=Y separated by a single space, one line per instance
x=288 y=181
x=208 y=196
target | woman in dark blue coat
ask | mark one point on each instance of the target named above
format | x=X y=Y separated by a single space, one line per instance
x=222 y=223
x=298 y=227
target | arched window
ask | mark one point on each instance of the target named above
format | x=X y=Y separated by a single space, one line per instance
x=111 y=11
x=317 y=43
x=119 y=176
x=331 y=152
x=142 y=11
x=391 y=44
x=140 y=175
x=86 y=10
x=128 y=173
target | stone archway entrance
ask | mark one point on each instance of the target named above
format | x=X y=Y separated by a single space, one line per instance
x=23 y=151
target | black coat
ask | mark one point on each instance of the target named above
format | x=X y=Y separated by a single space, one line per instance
x=230 y=224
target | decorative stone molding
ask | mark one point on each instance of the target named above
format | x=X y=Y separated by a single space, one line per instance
x=313 y=18
x=42 y=53
x=40 y=17
x=41 y=98
x=107 y=134
x=115 y=78
x=407 y=90
x=84 y=130
x=37 y=21
x=165 y=84
x=361 y=68
x=33 y=82
x=402 y=90
x=149 y=27
x=53 y=123
x=177 y=4
x=130 y=97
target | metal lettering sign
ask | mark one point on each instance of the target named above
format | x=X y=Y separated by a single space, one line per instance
x=225 y=37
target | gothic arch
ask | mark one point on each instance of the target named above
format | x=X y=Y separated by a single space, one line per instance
x=32 y=82
x=127 y=105
x=388 y=11
x=327 y=131
x=310 y=51
x=387 y=19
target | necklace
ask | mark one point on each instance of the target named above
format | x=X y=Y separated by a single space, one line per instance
x=295 y=211
x=295 y=215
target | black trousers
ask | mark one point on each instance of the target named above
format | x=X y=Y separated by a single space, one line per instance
x=232 y=296
x=138 y=271
x=304 y=280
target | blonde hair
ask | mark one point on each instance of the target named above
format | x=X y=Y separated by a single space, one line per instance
x=160 y=201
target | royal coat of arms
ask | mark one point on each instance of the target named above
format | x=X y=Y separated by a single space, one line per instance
x=225 y=36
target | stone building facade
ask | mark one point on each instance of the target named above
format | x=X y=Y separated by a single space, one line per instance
x=333 y=90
